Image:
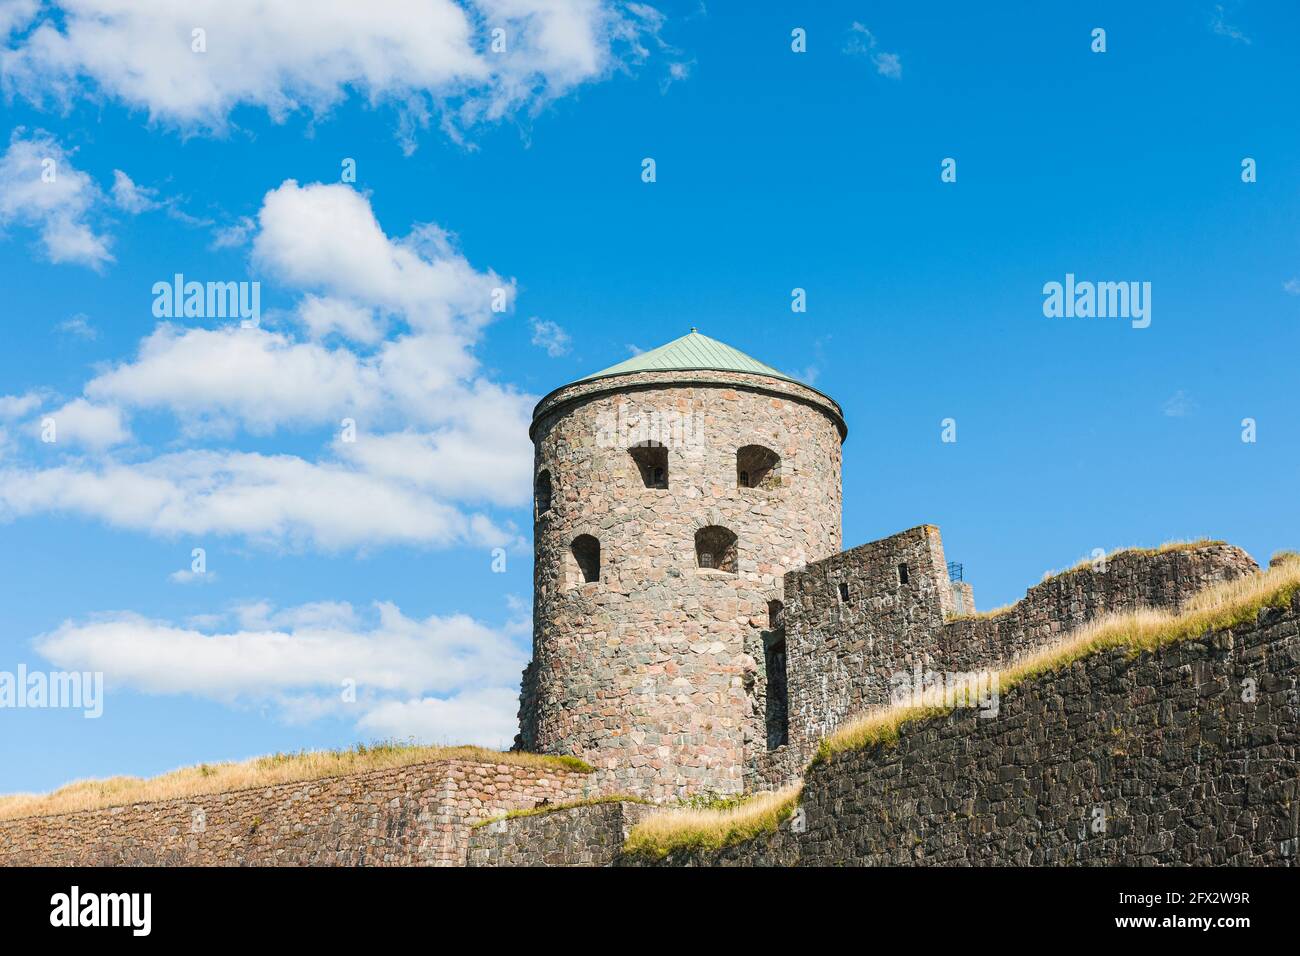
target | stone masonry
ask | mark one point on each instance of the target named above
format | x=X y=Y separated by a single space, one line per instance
x=1188 y=756
x=590 y=835
x=655 y=670
x=409 y=816
x=858 y=620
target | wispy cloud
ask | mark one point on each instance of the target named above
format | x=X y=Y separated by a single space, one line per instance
x=78 y=327
x=132 y=198
x=550 y=336
x=862 y=42
x=1219 y=25
x=1179 y=405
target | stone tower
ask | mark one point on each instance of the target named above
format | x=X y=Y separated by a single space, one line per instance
x=672 y=494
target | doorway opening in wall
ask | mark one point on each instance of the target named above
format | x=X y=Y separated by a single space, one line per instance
x=774 y=666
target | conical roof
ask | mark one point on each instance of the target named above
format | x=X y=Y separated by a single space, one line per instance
x=691 y=352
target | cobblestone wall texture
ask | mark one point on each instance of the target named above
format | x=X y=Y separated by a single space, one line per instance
x=411 y=816
x=1189 y=755
x=590 y=835
x=653 y=673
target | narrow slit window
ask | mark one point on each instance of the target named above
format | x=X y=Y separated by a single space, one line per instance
x=778 y=704
x=775 y=615
x=542 y=493
x=902 y=573
x=844 y=591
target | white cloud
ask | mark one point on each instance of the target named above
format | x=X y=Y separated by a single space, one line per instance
x=131 y=198
x=326 y=238
x=1291 y=286
x=431 y=430
x=486 y=718
x=440 y=678
x=1179 y=405
x=456 y=463
x=550 y=336
x=40 y=188
x=888 y=64
x=186 y=576
x=16 y=406
x=81 y=423
x=323 y=316
x=419 y=54
x=1219 y=25
x=274 y=500
x=16 y=14
x=78 y=327
x=235 y=234
x=862 y=42
x=251 y=376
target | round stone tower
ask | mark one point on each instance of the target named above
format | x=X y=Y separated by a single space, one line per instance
x=672 y=493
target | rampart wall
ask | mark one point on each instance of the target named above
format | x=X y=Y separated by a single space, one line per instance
x=418 y=815
x=1188 y=755
x=590 y=835
x=856 y=622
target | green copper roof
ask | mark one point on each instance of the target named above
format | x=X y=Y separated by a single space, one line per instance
x=692 y=351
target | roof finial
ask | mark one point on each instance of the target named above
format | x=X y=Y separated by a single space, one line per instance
x=693 y=329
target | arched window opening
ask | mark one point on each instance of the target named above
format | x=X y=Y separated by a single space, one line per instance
x=758 y=467
x=542 y=492
x=715 y=547
x=651 y=459
x=586 y=559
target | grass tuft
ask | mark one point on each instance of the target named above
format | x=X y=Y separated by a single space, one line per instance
x=260 y=772
x=691 y=828
x=554 y=807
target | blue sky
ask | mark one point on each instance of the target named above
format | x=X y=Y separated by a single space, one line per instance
x=521 y=170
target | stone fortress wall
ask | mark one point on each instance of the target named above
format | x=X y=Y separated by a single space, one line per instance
x=856 y=621
x=587 y=835
x=1186 y=756
x=656 y=671
x=420 y=815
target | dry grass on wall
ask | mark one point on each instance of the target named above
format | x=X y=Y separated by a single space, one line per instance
x=1217 y=608
x=703 y=829
x=259 y=772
